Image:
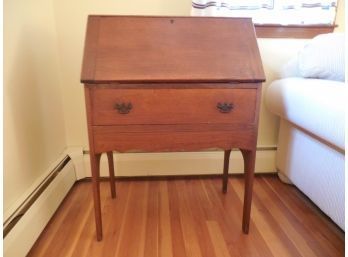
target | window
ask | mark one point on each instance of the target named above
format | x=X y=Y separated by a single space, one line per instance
x=271 y=12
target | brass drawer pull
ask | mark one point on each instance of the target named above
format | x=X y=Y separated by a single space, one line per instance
x=224 y=107
x=123 y=108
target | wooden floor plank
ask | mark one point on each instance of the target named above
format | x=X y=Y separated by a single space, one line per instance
x=51 y=231
x=92 y=248
x=217 y=239
x=192 y=247
x=132 y=237
x=225 y=212
x=229 y=215
x=325 y=235
x=165 y=247
x=293 y=227
x=276 y=238
x=176 y=228
x=68 y=229
x=152 y=221
x=287 y=222
x=184 y=218
x=113 y=212
x=195 y=195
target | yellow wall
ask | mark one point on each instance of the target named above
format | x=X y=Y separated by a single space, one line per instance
x=340 y=16
x=34 y=134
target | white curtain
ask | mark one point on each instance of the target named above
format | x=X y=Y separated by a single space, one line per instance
x=283 y=12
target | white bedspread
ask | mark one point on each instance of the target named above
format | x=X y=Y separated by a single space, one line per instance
x=315 y=105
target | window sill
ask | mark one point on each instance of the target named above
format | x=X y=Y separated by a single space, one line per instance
x=291 y=31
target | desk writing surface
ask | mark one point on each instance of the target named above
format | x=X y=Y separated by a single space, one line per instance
x=171 y=49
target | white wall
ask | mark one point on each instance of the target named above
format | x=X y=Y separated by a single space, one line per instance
x=34 y=130
x=340 y=16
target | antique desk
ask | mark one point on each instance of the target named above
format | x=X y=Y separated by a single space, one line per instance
x=156 y=84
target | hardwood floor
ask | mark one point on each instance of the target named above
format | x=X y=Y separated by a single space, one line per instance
x=190 y=218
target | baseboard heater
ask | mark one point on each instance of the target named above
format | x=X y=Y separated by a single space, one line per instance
x=13 y=219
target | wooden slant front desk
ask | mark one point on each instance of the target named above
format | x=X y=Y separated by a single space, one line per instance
x=156 y=84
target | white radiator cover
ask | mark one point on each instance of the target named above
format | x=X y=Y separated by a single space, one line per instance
x=22 y=237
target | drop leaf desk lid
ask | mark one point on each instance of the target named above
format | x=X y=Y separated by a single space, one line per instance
x=133 y=49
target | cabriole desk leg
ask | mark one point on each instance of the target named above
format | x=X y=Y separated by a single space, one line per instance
x=249 y=167
x=95 y=165
x=227 y=154
x=111 y=174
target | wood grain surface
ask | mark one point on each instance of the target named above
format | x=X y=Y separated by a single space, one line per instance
x=190 y=218
x=109 y=138
x=186 y=49
x=173 y=106
x=210 y=57
x=291 y=31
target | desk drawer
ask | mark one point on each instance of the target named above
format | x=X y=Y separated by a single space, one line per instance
x=169 y=138
x=112 y=106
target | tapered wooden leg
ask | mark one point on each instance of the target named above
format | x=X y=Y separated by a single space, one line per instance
x=225 y=173
x=95 y=162
x=249 y=167
x=111 y=174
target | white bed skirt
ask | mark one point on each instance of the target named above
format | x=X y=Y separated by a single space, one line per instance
x=314 y=167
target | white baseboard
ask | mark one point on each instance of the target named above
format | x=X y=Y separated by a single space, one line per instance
x=22 y=237
x=76 y=155
x=192 y=163
x=11 y=209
